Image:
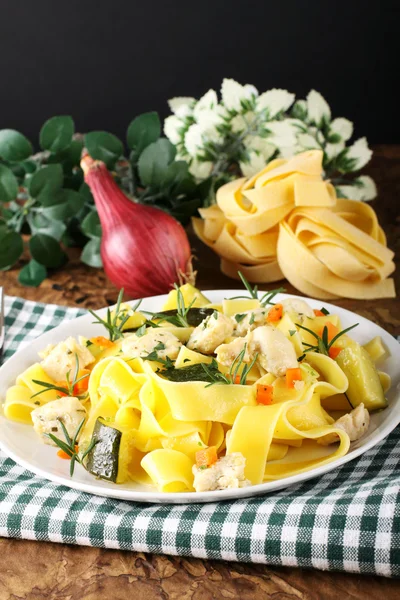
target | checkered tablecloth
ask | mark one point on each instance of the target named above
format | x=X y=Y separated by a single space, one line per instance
x=347 y=520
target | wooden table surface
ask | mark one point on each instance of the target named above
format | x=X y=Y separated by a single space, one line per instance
x=35 y=570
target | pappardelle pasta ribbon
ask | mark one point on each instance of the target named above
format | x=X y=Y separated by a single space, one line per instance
x=286 y=222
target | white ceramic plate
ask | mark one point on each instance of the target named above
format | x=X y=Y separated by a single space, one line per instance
x=21 y=443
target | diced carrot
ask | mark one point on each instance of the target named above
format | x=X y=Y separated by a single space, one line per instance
x=62 y=384
x=275 y=313
x=100 y=340
x=82 y=386
x=64 y=455
x=318 y=313
x=206 y=457
x=265 y=394
x=333 y=352
x=332 y=331
x=237 y=379
x=292 y=375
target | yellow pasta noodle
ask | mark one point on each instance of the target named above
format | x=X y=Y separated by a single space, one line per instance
x=286 y=222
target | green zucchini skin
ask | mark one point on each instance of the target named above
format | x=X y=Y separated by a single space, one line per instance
x=190 y=373
x=194 y=316
x=102 y=460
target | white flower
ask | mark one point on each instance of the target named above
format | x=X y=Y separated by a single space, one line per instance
x=362 y=188
x=182 y=105
x=200 y=169
x=317 y=108
x=240 y=123
x=255 y=163
x=208 y=119
x=283 y=133
x=308 y=142
x=209 y=100
x=360 y=153
x=300 y=108
x=368 y=187
x=251 y=91
x=260 y=144
x=289 y=151
x=194 y=140
x=233 y=93
x=172 y=128
x=332 y=150
x=342 y=127
x=275 y=101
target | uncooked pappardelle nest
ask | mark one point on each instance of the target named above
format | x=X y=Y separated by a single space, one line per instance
x=203 y=397
x=286 y=222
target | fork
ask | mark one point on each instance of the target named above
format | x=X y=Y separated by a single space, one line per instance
x=2 y=326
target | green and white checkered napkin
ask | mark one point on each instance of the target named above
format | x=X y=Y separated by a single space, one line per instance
x=347 y=520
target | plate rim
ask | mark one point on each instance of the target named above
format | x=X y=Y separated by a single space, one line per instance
x=117 y=491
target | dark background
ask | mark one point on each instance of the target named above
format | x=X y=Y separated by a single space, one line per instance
x=106 y=62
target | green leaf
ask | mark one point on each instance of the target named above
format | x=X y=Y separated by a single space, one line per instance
x=154 y=161
x=14 y=146
x=11 y=248
x=142 y=131
x=104 y=146
x=176 y=172
x=32 y=274
x=40 y=223
x=45 y=184
x=29 y=166
x=56 y=134
x=8 y=185
x=91 y=225
x=85 y=191
x=91 y=254
x=66 y=204
x=46 y=250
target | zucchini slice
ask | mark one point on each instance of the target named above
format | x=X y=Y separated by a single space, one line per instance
x=102 y=461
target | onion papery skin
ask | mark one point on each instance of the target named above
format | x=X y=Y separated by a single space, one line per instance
x=144 y=250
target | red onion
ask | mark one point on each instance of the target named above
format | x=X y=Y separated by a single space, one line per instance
x=144 y=250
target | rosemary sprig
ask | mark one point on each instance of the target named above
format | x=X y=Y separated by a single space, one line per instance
x=217 y=377
x=180 y=318
x=153 y=357
x=114 y=324
x=323 y=345
x=70 y=445
x=253 y=291
x=69 y=388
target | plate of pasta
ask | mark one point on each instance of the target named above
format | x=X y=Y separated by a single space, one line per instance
x=199 y=397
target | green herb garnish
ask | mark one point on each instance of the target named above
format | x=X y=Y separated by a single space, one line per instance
x=69 y=446
x=239 y=317
x=217 y=377
x=69 y=388
x=180 y=318
x=322 y=346
x=253 y=291
x=114 y=324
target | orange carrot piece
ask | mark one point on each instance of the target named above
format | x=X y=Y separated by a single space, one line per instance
x=237 y=379
x=333 y=352
x=332 y=331
x=62 y=384
x=275 y=313
x=265 y=394
x=292 y=375
x=64 y=455
x=318 y=313
x=100 y=340
x=82 y=386
x=206 y=457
